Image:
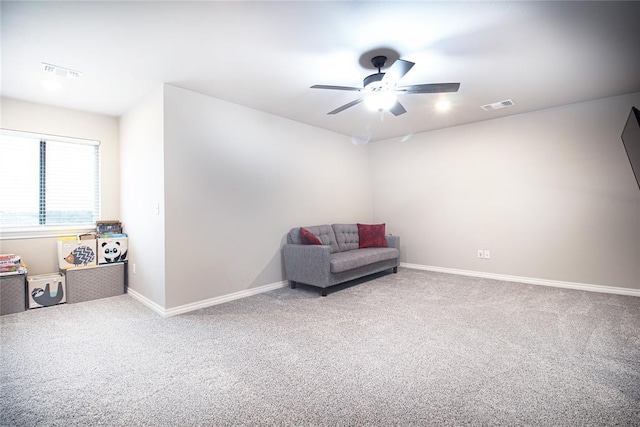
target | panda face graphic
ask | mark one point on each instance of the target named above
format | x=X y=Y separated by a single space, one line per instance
x=112 y=252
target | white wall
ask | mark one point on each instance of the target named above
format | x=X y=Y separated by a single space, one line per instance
x=236 y=181
x=41 y=254
x=550 y=193
x=142 y=166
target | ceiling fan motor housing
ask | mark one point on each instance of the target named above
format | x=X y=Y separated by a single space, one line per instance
x=378 y=61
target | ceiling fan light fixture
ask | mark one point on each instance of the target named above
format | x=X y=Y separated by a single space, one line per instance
x=380 y=100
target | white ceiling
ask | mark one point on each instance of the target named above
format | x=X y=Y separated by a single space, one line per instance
x=265 y=55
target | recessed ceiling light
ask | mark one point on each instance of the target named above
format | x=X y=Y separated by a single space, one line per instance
x=443 y=105
x=51 y=85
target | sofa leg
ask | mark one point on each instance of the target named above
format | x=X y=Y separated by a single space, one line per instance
x=395 y=269
x=292 y=284
x=323 y=292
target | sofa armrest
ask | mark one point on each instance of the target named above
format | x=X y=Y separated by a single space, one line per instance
x=393 y=241
x=307 y=264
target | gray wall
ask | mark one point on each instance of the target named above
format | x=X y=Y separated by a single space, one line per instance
x=236 y=181
x=142 y=168
x=550 y=193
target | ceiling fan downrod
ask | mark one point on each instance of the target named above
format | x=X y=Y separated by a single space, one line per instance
x=378 y=62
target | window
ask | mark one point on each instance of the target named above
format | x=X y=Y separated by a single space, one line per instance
x=48 y=181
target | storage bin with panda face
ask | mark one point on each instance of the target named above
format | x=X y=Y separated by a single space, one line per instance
x=112 y=249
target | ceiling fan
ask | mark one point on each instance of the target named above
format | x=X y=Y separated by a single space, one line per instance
x=381 y=90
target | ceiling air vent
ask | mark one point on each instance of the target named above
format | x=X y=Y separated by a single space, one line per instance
x=60 y=71
x=48 y=68
x=498 y=105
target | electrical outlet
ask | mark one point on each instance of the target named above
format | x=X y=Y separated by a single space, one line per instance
x=487 y=254
x=134 y=268
x=480 y=253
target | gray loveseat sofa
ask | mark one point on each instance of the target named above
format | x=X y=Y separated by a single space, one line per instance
x=338 y=259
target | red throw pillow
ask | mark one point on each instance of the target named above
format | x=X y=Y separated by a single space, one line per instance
x=372 y=236
x=308 y=238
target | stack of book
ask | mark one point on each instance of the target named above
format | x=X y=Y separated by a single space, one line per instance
x=108 y=228
x=11 y=264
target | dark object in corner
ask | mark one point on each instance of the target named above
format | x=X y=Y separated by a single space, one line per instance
x=631 y=140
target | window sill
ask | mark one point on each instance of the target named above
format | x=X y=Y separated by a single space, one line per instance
x=44 y=232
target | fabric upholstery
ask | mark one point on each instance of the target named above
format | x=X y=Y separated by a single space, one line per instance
x=323 y=232
x=308 y=238
x=346 y=236
x=307 y=264
x=332 y=262
x=372 y=236
x=348 y=260
x=393 y=241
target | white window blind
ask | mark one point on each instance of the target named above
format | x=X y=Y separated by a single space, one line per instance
x=48 y=181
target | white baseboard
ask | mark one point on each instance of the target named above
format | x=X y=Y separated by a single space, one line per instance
x=272 y=286
x=204 y=303
x=146 y=301
x=527 y=280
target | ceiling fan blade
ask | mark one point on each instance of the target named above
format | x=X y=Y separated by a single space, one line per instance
x=429 y=88
x=397 y=71
x=336 y=87
x=345 y=106
x=397 y=109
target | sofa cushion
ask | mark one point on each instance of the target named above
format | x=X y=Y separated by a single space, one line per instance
x=346 y=236
x=348 y=260
x=372 y=236
x=308 y=238
x=323 y=232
